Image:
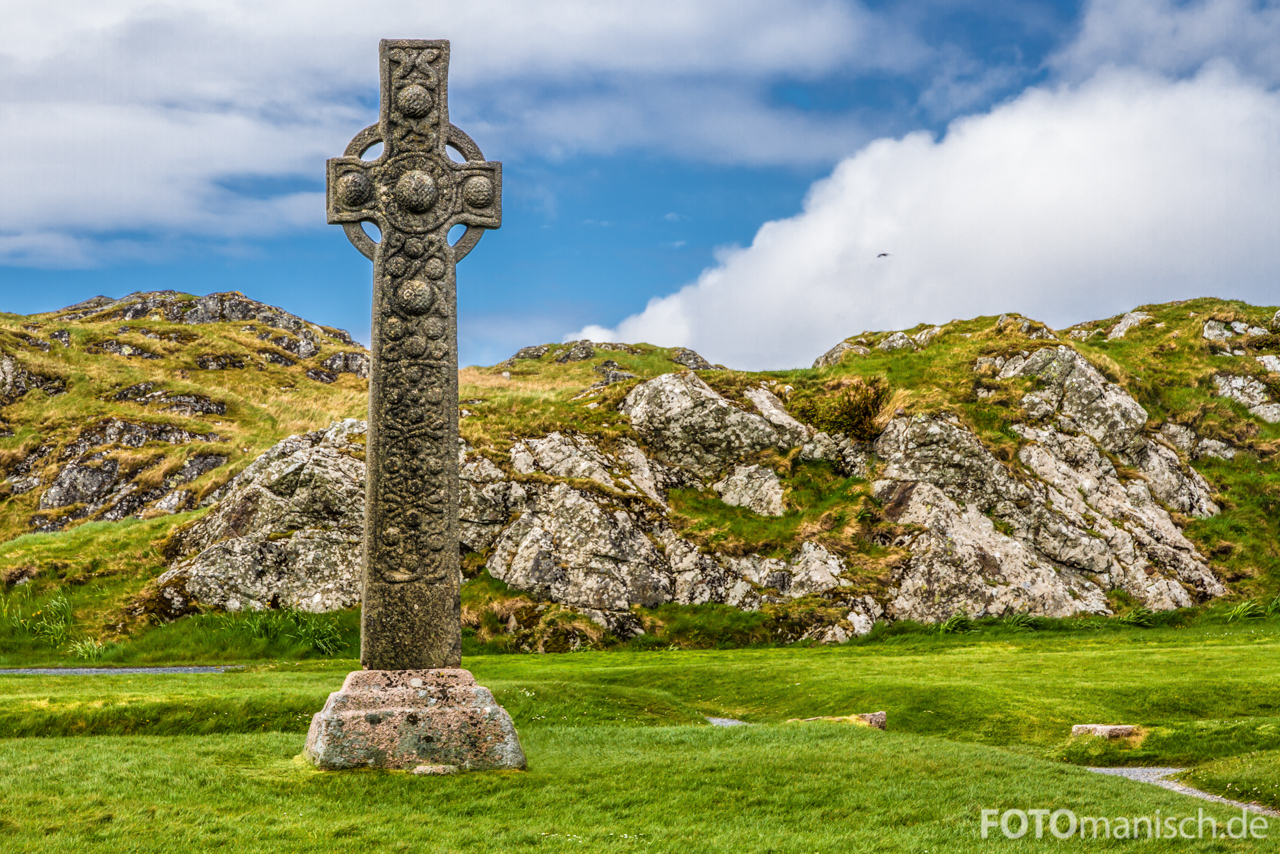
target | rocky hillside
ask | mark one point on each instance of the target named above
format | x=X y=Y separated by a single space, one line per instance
x=144 y=406
x=986 y=467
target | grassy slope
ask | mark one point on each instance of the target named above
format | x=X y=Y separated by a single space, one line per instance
x=100 y=565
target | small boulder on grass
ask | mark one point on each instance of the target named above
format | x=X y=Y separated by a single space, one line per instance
x=1107 y=731
x=875 y=720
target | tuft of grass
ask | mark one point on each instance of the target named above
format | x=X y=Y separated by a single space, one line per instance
x=848 y=405
x=958 y=623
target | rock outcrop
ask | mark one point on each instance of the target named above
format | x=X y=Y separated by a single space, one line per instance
x=1084 y=509
x=16 y=381
x=690 y=426
x=230 y=307
x=91 y=482
x=1250 y=393
x=287 y=532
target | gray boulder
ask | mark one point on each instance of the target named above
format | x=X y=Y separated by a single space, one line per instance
x=834 y=356
x=960 y=562
x=1249 y=392
x=1126 y=323
x=1216 y=330
x=574 y=548
x=896 y=341
x=1076 y=392
x=230 y=307
x=577 y=351
x=356 y=362
x=689 y=425
x=923 y=339
x=91 y=484
x=287 y=532
x=16 y=380
x=1066 y=536
x=790 y=431
x=754 y=487
x=690 y=359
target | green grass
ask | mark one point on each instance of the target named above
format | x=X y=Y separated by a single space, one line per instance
x=1020 y=691
x=1180 y=743
x=827 y=788
x=620 y=759
x=1253 y=777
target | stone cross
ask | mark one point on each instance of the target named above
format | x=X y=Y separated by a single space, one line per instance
x=414 y=193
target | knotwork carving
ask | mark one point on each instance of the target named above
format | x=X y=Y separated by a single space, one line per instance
x=414 y=193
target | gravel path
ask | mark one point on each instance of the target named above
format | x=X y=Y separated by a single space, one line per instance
x=726 y=722
x=1159 y=777
x=107 y=671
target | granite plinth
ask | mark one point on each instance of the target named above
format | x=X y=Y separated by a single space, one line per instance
x=410 y=718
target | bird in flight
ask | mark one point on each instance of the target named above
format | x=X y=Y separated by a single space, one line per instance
x=883 y=255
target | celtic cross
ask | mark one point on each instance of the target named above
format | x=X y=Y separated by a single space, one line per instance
x=414 y=193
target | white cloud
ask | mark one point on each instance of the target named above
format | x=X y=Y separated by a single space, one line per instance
x=1176 y=38
x=1065 y=204
x=128 y=114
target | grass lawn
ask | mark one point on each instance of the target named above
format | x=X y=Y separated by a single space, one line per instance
x=621 y=759
x=828 y=788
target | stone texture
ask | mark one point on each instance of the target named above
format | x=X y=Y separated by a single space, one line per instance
x=690 y=425
x=577 y=351
x=1070 y=534
x=286 y=533
x=1249 y=392
x=432 y=718
x=215 y=362
x=1108 y=731
x=834 y=356
x=1077 y=392
x=229 y=307
x=754 y=487
x=562 y=456
x=790 y=431
x=415 y=193
x=118 y=348
x=16 y=381
x=572 y=547
x=874 y=720
x=146 y=394
x=348 y=363
x=852 y=458
x=535 y=352
x=923 y=339
x=92 y=484
x=896 y=341
x=1216 y=330
x=1126 y=323
x=690 y=360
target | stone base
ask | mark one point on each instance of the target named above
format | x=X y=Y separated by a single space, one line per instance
x=413 y=718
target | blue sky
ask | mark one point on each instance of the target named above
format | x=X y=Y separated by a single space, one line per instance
x=721 y=175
